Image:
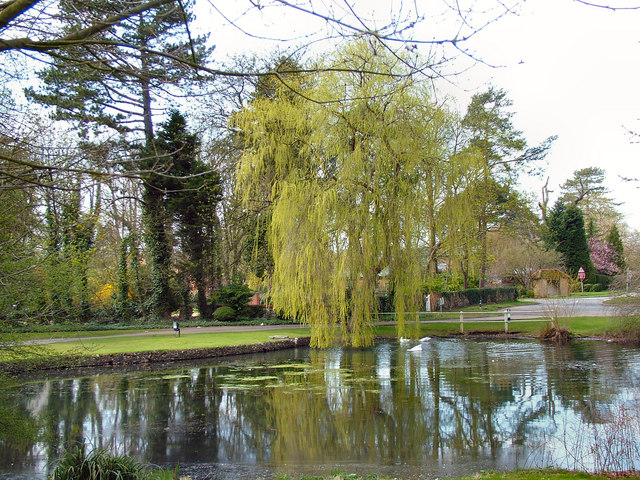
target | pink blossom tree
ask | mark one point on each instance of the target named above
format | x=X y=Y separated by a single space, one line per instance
x=603 y=257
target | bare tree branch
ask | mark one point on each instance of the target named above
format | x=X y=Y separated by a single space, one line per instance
x=12 y=9
x=608 y=7
x=74 y=38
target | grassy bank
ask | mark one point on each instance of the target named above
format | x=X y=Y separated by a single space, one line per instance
x=159 y=342
x=62 y=330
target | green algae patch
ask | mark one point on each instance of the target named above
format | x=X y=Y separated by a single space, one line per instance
x=292 y=366
x=263 y=378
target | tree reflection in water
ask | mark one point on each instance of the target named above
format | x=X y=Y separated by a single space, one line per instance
x=454 y=408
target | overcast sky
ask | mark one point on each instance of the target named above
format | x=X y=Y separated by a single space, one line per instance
x=579 y=79
x=570 y=70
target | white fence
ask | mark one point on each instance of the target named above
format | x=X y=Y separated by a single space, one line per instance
x=505 y=317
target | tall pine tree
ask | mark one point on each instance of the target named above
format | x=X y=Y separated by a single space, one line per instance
x=503 y=152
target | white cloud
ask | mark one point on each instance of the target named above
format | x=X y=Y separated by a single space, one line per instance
x=572 y=71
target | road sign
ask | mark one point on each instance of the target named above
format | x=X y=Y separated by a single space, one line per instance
x=581 y=274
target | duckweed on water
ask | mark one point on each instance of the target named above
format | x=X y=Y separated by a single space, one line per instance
x=303 y=366
x=239 y=387
x=264 y=378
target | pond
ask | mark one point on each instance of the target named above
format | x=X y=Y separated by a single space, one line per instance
x=454 y=408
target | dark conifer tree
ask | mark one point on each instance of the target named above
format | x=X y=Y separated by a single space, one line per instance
x=568 y=236
x=193 y=191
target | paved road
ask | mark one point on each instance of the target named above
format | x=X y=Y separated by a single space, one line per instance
x=582 y=307
x=566 y=307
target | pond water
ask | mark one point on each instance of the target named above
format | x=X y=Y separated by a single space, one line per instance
x=455 y=408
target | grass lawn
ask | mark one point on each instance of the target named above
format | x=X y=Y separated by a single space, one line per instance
x=145 y=343
x=579 y=326
x=71 y=334
x=604 y=293
x=625 y=301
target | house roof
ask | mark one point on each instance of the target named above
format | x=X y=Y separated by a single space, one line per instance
x=550 y=273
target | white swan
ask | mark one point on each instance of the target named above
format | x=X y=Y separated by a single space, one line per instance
x=417 y=348
x=425 y=339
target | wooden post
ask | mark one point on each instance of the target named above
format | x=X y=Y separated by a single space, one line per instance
x=461 y=322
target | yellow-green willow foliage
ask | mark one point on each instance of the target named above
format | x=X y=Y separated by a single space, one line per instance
x=346 y=181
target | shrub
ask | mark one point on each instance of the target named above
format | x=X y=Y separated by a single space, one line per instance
x=604 y=280
x=256 y=311
x=224 y=314
x=592 y=287
x=557 y=335
x=524 y=293
x=236 y=296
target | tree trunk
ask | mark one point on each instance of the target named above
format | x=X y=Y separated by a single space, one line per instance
x=483 y=252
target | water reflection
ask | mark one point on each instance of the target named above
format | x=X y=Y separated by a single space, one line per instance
x=452 y=409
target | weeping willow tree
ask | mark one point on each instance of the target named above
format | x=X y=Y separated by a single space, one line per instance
x=346 y=182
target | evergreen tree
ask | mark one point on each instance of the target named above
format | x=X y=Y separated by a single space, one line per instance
x=123 y=303
x=585 y=184
x=193 y=191
x=566 y=233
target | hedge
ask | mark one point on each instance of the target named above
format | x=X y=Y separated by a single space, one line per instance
x=473 y=296
x=462 y=298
